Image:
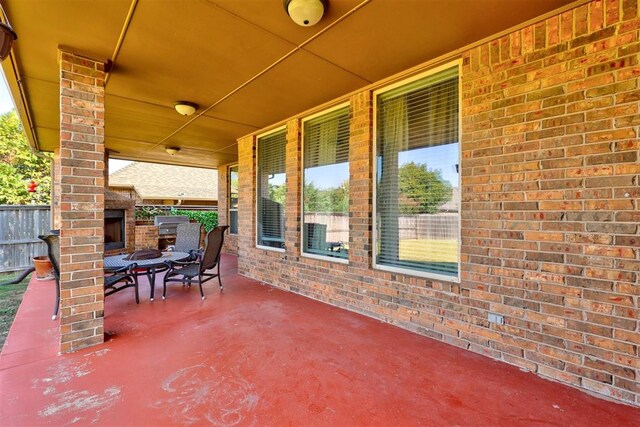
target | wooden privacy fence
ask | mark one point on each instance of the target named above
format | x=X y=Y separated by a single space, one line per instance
x=444 y=226
x=20 y=227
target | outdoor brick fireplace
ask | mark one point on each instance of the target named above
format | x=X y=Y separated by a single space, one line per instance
x=119 y=223
x=114 y=229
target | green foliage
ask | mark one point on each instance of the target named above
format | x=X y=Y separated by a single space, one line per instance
x=10 y=298
x=149 y=212
x=421 y=190
x=208 y=219
x=277 y=193
x=19 y=165
x=330 y=200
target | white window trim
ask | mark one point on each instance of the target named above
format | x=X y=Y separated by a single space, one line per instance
x=262 y=135
x=374 y=262
x=229 y=195
x=269 y=248
x=326 y=258
x=302 y=252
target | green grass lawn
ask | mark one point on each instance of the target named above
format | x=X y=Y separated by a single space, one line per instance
x=429 y=250
x=10 y=298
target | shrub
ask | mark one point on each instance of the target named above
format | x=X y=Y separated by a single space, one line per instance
x=208 y=219
x=148 y=212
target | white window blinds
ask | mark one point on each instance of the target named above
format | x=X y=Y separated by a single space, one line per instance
x=326 y=185
x=233 y=200
x=271 y=190
x=417 y=179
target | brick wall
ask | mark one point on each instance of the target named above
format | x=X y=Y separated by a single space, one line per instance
x=550 y=208
x=146 y=237
x=81 y=202
x=550 y=197
x=230 y=240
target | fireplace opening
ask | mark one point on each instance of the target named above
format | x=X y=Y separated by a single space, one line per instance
x=114 y=232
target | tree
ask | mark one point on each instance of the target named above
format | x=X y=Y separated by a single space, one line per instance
x=422 y=190
x=277 y=193
x=328 y=200
x=19 y=165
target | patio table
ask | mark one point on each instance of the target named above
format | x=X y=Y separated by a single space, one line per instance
x=150 y=266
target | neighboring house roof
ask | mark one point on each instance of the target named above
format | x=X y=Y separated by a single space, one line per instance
x=155 y=181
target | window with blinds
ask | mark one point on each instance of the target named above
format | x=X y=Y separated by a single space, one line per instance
x=233 y=199
x=271 y=190
x=326 y=185
x=417 y=188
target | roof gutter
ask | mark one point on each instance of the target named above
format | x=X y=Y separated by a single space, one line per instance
x=18 y=93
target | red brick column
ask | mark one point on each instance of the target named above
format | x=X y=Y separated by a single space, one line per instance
x=223 y=195
x=246 y=201
x=81 y=201
x=360 y=180
x=294 y=192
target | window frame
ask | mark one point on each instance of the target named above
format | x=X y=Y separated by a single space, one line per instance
x=303 y=121
x=374 y=262
x=235 y=165
x=257 y=178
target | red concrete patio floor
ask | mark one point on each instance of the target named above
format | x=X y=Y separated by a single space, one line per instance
x=255 y=355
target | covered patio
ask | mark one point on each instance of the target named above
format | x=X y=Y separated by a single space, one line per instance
x=256 y=355
x=475 y=182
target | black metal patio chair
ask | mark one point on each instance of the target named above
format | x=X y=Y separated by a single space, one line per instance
x=53 y=251
x=124 y=275
x=111 y=279
x=188 y=272
x=188 y=239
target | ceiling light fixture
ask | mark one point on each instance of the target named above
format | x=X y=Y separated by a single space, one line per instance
x=172 y=151
x=305 y=12
x=185 y=108
x=7 y=37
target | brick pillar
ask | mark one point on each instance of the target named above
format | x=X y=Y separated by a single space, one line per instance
x=55 y=190
x=81 y=201
x=293 y=199
x=360 y=180
x=223 y=195
x=246 y=200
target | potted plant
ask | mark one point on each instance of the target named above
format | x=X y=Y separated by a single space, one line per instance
x=44 y=268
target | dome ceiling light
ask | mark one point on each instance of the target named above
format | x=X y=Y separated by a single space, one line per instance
x=305 y=12
x=185 y=108
x=172 y=151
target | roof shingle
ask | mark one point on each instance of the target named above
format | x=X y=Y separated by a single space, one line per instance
x=155 y=181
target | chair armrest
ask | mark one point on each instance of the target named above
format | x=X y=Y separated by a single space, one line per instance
x=128 y=267
x=181 y=263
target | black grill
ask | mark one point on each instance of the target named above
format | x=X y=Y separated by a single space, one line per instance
x=168 y=224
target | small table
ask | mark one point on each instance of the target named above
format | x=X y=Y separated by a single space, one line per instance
x=151 y=266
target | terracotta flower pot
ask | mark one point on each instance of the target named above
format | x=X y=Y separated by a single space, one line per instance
x=44 y=269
